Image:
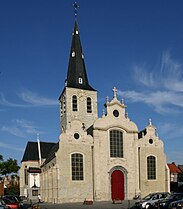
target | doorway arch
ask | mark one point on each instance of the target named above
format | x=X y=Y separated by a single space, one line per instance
x=118 y=183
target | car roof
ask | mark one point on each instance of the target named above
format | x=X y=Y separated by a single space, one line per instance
x=159 y=193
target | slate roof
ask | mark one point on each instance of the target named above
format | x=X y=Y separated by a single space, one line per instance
x=142 y=133
x=31 y=151
x=90 y=130
x=173 y=168
x=51 y=154
x=76 y=68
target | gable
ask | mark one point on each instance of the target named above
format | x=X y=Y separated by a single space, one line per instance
x=31 y=151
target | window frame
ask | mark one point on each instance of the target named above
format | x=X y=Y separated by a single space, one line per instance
x=151 y=168
x=77 y=167
x=89 y=105
x=116 y=143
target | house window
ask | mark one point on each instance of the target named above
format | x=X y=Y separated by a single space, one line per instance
x=151 y=168
x=77 y=167
x=116 y=143
x=74 y=103
x=89 y=105
x=26 y=176
x=80 y=80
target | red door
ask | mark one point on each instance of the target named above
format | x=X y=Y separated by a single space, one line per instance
x=117 y=185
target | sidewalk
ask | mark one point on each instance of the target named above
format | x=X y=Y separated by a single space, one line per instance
x=96 y=205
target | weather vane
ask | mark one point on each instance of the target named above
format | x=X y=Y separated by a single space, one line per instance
x=76 y=6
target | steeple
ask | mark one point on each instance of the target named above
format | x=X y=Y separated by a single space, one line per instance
x=76 y=75
x=78 y=100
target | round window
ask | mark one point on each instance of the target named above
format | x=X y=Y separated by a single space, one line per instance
x=116 y=113
x=76 y=136
x=150 y=141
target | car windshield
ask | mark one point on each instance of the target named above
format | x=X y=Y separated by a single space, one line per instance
x=7 y=201
x=148 y=197
x=172 y=197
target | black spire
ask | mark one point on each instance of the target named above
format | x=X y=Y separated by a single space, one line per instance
x=76 y=75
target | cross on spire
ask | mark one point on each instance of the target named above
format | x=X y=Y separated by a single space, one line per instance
x=76 y=6
x=150 y=121
x=115 y=92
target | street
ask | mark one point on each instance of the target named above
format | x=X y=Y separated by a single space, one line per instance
x=96 y=205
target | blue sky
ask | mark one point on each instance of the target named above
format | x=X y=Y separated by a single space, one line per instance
x=136 y=46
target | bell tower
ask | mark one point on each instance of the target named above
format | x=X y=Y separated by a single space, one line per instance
x=78 y=100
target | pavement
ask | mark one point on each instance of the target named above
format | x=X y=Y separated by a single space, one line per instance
x=96 y=205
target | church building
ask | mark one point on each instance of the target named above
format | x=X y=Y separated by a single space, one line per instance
x=96 y=158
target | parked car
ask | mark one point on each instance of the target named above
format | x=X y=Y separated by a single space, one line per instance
x=15 y=198
x=10 y=203
x=2 y=204
x=176 y=205
x=151 y=199
x=164 y=204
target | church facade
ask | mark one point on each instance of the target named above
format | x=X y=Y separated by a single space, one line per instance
x=98 y=158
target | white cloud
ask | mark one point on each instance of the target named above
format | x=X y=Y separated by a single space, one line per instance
x=143 y=76
x=163 y=90
x=30 y=99
x=160 y=100
x=9 y=146
x=21 y=128
x=168 y=74
x=5 y=102
x=36 y=100
x=171 y=73
x=171 y=130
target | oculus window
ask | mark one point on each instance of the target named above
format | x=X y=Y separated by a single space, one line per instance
x=76 y=136
x=116 y=144
x=116 y=113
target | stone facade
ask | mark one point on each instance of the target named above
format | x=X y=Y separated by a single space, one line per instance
x=57 y=184
x=99 y=158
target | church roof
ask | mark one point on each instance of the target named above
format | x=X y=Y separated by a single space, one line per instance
x=76 y=74
x=142 y=133
x=51 y=153
x=31 y=151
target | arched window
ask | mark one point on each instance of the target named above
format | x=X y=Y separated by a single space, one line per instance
x=74 y=103
x=116 y=143
x=77 y=167
x=89 y=105
x=151 y=168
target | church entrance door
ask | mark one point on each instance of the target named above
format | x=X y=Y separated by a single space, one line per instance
x=117 y=185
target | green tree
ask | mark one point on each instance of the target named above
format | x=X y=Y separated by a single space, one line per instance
x=13 y=186
x=8 y=167
x=1 y=158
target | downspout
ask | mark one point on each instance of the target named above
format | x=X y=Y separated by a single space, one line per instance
x=139 y=168
x=39 y=149
x=93 y=180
